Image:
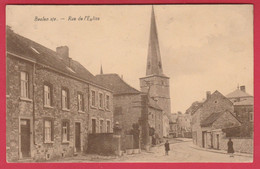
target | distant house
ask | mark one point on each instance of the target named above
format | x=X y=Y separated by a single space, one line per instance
x=183 y=125
x=173 y=131
x=210 y=118
x=243 y=109
x=52 y=102
x=129 y=105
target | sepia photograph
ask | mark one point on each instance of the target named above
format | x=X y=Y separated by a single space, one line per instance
x=168 y=83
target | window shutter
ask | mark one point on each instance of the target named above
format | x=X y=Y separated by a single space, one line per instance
x=68 y=131
x=96 y=103
x=51 y=95
x=43 y=130
x=83 y=108
x=52 y=130
x=68 y=98
x=62 y=130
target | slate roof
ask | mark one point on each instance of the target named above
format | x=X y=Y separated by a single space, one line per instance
x=200 y=104
x=245 y=102
x=26 y=48
x=116 y=84
x=238 y=93
x=211 y=119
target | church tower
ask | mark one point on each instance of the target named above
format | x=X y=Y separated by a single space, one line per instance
x=155 y=79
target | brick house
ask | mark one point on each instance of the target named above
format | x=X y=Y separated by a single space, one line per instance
x=52 y=102
x=129 y=104
x=243 y=109
x=210 y=118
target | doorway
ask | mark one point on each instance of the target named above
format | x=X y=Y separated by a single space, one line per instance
x=25 y=138
x=93 y=126
x=203 y=139
x=77 y=137
x=218 y=141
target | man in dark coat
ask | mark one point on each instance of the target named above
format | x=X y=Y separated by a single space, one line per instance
x=167 y=147
x=230 y=147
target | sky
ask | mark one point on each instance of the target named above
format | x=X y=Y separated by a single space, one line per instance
x=203 y=47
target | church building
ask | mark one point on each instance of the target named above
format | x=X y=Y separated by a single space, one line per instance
x=156 y=83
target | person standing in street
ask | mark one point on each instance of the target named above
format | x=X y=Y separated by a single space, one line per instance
x=167 y=147
x=230 y=148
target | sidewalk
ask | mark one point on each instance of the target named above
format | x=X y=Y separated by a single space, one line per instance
x=220 y=151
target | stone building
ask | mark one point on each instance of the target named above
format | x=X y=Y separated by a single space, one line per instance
x=183 y=125
x=156 y=82
x=52 y=102
x=129 y=105
x=210 y=118
x=173 y=131
x=243 y=109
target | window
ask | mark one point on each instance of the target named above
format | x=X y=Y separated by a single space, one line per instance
x=251 y=116
x=107 y=102
x=80 y=102
x=47 y=95
x=101 y=126
x=108 y=127
x=64 y=99
x=93 y=98
x=65 y=131
x=101 y=100
x=24 y=85
x=48 y=131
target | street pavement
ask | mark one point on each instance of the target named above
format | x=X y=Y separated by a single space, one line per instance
x=181 y=151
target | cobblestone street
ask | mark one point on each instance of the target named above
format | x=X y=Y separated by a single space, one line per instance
x=181 y=151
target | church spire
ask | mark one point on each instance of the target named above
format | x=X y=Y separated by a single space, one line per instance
x=154 y=63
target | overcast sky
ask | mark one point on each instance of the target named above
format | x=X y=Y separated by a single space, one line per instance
x=203 y=47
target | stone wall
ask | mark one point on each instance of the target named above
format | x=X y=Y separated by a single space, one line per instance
x=16 y=106
x=216 y=103
x=58 y=148
x=242 y=145
x=196 y=128
x=104 y=144
x=159 y=89
x=156 y=121
x=33 y=108
x=127 y=111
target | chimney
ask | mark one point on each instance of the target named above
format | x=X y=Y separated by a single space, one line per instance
x=208 y=94
x=63 y=51
x=243 y=88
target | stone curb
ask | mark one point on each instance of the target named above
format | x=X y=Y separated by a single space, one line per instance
x=221 y=152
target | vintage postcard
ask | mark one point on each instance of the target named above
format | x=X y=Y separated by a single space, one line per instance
x=129 y=83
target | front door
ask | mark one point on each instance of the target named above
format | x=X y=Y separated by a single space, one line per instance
x=217 y=141
x=25 y=137
x=203 y=139
x=77 y=137
x=93 y=126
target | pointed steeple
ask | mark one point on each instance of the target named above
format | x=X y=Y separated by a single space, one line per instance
x=154 y=63
x=101 y=70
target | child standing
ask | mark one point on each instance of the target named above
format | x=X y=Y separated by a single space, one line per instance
x=167 y=147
